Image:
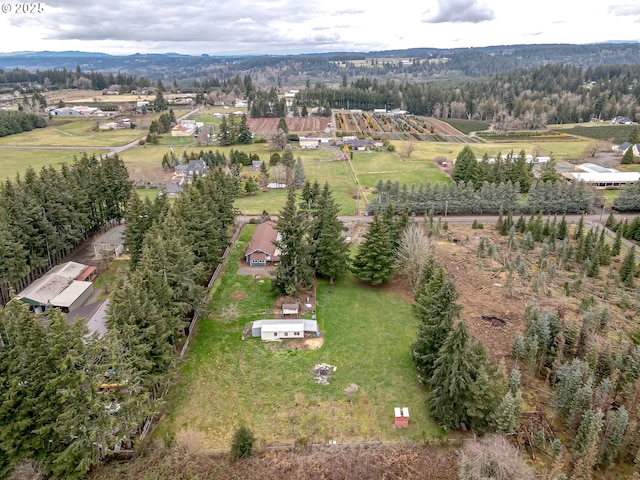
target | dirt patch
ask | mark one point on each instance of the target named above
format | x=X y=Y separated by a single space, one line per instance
x=239 y=295
x=313 y=343
x=484 y=288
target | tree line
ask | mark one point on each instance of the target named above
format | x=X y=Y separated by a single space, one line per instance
x=13 y=121
x=45 y=215
x=464 y=198
x=522 y=98
x=69 y=398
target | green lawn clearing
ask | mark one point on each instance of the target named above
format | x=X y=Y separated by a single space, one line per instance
x=75 y=133
x=226 y=381
x=371 y=167
x=14 y=161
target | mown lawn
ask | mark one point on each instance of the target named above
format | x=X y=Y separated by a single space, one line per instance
x=76 y=133
x=227 y=381
x=371 y=167
x=337 y=174
x=14 y=161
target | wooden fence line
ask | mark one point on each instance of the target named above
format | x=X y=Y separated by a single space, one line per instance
x=212 y=280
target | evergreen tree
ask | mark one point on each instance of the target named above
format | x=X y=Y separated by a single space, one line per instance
x=242 y=443
x=466 y=166
x=506 y=418
x=617 y=244
x=628 y=158
x=436 y=309
x=330 y=252
x=282 y=125
x=375 y=260
x=628 y=267
x=452 y=380
x=299 y=177
x=579 y=229
x=616 y=427
x=628 y=200
x=244 y=134
x=585 y=445
x=294 y=272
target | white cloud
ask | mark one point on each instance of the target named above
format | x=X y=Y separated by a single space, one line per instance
x=285 y=26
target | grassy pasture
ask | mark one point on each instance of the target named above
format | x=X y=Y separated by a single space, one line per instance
x=336 y=173
x=76 y=133
x=226 y=381
x=387 y=166
x=14 y=161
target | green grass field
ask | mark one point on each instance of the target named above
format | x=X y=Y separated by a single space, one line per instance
x=14 y=161
x=227 y=381
x=371 y=167
x=337 y=174
x=76 y=133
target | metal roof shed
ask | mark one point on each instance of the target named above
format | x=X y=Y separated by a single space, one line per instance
x=290 y=309
x=73 y=296
x=282 y=329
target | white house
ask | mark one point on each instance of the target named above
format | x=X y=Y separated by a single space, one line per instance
x=270 y=330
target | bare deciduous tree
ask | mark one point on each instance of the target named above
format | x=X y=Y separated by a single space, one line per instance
x=492 y=456
x=414 y=249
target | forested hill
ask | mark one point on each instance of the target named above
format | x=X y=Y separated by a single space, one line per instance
x=419 y=63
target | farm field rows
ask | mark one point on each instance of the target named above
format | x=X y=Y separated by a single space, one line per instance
x=227 y=381
x=268 y=126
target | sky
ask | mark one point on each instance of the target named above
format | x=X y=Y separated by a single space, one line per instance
x=228 y=27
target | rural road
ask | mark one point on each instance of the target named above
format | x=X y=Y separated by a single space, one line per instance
x=112 y=150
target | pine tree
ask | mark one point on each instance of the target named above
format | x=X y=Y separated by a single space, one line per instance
x=375 y=260
x=628 y=200
x=579 y=229
x=436 y=309
x=242 y=443
x=563 y=229
x=617 y=244
x=628 y=158
x=244 y=134
x=466 y=166
x=628 y=267
x=294 y=272
x=330 y=252
x=299 y=177
x=452 y=380
x=506 y=418
x=616 y=427
x=585 y=445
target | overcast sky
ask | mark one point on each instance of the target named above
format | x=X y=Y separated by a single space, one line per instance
x=287 y=27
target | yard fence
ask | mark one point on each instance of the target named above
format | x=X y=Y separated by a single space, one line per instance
x=150 y=424
x=203 y=302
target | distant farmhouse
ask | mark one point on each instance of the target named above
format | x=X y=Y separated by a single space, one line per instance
x=312 y=142
x=620 y=120
x=261 y=251
x=601 y=177
x=623 y=147
x=77 y=111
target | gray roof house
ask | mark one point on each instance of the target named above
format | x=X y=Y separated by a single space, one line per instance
x=192 y=169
